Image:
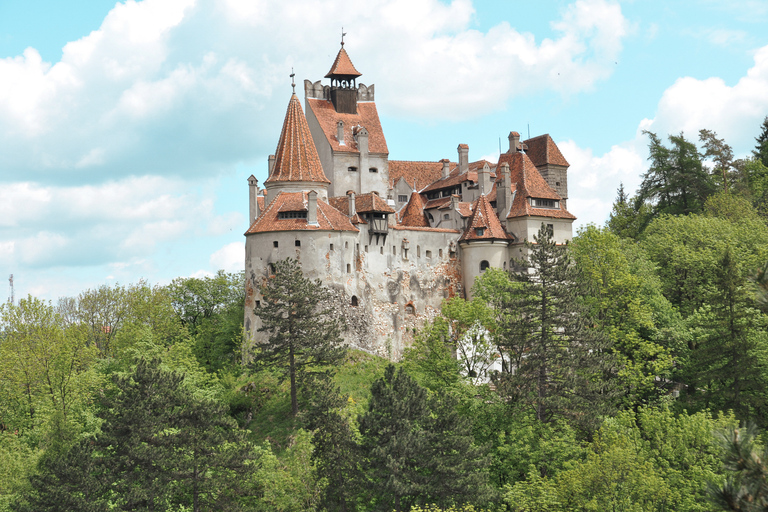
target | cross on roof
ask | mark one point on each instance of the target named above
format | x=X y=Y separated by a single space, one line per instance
x=293 y=83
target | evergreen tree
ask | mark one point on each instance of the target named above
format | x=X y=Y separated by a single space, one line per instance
x=676 y=182
x=560 y=365
x=304 y=334
x=418 y=450
x=761 y=149
x=746 y=486
x=722 y=157
x=336 y=454
x=730 y=335
x=161 y=445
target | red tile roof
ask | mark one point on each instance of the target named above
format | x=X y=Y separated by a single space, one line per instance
x=527 y=183
x=484 y=217
x=342 y=66
x=413 y=213
x=437 y=203
x=455 y=178
x=328 y=217
x=542 y=150
x=296 y=157
x=423 y=173
x=364 y=203
x=367 y=116
x=414 y=228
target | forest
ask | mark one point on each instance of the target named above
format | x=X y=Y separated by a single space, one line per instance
x=626 y=370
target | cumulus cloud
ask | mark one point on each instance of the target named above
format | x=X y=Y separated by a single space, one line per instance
x=230 y=258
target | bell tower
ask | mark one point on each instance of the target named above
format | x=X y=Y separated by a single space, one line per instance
x=343 y=88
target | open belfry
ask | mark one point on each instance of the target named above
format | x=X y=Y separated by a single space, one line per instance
x=391 y=238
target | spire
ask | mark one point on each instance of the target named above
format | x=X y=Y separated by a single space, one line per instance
x=296 y=157
x=484 y=223
x=342 y=67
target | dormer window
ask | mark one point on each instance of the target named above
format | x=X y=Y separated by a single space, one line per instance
x=545 y=203
x=292 y=215
x=352 y=168
x=479 y=231
x=402 y=199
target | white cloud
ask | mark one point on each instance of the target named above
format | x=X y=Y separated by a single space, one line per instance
x=230 y=258
x=734 y=112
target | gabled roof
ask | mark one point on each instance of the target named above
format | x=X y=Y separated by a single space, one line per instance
x=422 y=173
x=342 y=66
x=484 y=217
x=364 y=203
x=367 y=116
x=296 y=157
x=527 y=183
x=542 y=150
x=413 y=213
x=328 y=217
x=454 y=178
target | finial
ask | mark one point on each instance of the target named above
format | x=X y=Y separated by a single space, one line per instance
x=342 y=36
x=293 y=82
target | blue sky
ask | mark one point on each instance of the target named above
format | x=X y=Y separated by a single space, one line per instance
x=128 y=130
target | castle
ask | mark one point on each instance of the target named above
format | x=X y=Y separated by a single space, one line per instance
x=391 y=238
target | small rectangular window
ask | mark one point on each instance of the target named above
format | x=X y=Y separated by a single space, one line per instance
x=440 y=253
x=366 y=248
x=297 y=243
x=402 y=198
x=349 y=268
x=429 y=254
x=274 y=244
x=381 y=250
x=373 y=169
x=394 y=250
x=331 y=246
x=446 y=216
x=352 y=168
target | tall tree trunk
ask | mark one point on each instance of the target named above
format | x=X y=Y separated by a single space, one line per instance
x=294 y=400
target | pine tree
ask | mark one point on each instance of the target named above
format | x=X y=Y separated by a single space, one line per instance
x=418 y=450
x=303 y=333
x=560 y=365
x=726 y=367
x=722 y=156
x=746 y=485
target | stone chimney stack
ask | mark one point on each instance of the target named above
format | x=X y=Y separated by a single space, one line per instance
x=446 y=167
x=271 y=164
x=340 y=133
x=312 y=208
x=253 y=194
x=351 y=200
x=484 y=179
x=504 y=193
x=514 y=141
x=463 y=158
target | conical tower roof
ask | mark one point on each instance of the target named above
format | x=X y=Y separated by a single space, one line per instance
x=484 y=223
x=342 y=66
x=296 y=156
x=413 y=213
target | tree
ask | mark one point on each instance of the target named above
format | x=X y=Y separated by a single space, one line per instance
x=335 y=453
x=160 y=444
x=559 y=364
x=676 y=182
x=721 y=155
x=303 y=332
x=418 y=450
x=761 y=149
x=746 y=486
x=730 y=334
x=470 y=321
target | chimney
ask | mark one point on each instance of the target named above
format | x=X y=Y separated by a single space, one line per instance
x=312 y=208
x=351 y=201
x=340 y=132
x=484 y=179
x=253 y=194
x=271 y=163
x=514 y=141
x=463 y=158
x=446 y=167
x=504 y=199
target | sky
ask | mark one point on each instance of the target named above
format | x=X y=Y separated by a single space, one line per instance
x=128 y=130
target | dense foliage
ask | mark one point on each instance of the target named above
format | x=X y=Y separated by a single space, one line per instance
x=627 y=370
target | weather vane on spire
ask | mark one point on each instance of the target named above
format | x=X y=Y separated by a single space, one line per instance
x=342 y=36
x=293 y=82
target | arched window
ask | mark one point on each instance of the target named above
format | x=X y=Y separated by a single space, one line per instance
x=353 y=302
x=409 y=309
x=484 y=265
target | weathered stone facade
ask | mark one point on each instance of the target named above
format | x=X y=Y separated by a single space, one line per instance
x=392 y=239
